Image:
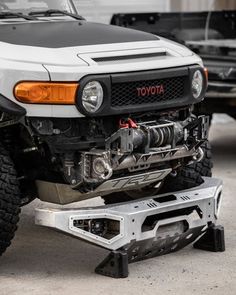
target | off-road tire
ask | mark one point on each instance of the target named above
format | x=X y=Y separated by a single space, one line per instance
x=9 y=200
x=190 y=176
x=186 y=178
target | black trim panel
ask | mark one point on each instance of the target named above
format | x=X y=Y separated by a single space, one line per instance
x=11 y=108
x=150 y=75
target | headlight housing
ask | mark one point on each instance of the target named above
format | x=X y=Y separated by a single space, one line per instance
x=197 y=84
x=46 y=92
x=92 y=96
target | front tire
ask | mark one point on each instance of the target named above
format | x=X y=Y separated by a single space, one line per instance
x=9 y=200
x=190 y=176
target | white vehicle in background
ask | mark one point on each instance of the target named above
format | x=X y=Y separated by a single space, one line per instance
x=91 y=110
x=102 y=10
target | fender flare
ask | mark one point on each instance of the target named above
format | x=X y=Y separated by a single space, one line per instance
x=10 y=107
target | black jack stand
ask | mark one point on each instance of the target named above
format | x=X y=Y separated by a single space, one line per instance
x=116 y=264
x=213 y=240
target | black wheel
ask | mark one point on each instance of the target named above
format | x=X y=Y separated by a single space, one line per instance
x=190 y=176
x=9 y=200
x=185 y=178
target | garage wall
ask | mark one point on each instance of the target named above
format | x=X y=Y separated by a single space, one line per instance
x=191 y=5
x=102 y=10
x=225 y=4
x=198 y=5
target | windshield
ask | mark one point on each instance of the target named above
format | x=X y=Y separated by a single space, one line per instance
x=27 y=6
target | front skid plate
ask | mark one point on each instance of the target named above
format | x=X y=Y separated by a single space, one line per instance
x=144 y=228
x=152 y=248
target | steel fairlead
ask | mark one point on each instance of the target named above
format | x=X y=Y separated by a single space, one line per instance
x=146 y=228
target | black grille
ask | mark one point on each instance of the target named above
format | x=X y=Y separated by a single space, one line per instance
x=126 y=94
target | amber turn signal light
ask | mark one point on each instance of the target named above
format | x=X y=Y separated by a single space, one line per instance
x=206 y=73
x=46 y=92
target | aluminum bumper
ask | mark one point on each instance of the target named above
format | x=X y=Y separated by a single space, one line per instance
x=169 y=218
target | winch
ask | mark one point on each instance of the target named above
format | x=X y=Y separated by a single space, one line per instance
x=137 y=147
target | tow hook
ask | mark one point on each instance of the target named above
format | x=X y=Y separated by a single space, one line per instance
x=200 y=155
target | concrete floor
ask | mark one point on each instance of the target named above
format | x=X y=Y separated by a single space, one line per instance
x=41 y=261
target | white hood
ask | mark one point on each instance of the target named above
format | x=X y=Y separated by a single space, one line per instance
x=33 y=59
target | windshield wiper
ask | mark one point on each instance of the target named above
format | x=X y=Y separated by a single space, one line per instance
x=16 y=15
x=50 y=12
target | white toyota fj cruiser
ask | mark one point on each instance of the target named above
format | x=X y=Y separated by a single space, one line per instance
x=91 y=110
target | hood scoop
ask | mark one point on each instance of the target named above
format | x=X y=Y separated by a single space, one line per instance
x=129 y=57
x=126 y=56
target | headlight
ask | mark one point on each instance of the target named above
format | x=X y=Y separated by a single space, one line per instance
x=197 y=84
x=92 y=97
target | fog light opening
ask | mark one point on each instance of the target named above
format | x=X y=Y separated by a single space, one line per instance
x=101 y=227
